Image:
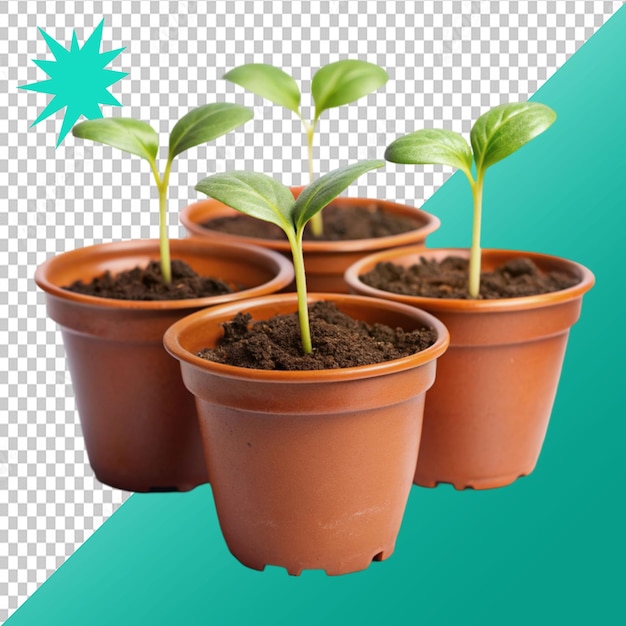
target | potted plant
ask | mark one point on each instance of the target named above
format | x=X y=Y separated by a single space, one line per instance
x=508 y=313
x=351 y=227
x=138 y=420
x=310 y=444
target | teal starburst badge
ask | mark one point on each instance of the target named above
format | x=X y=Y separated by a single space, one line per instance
x=78 y=80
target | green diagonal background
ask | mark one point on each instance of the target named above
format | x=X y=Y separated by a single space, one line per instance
x=549 y=549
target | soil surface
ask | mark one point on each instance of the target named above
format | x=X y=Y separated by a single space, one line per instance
x=449 y=279
x=340 y=223
x=338 y=341
x=147 y=284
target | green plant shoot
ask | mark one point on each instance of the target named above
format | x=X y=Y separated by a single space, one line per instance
x=332 y=86
x=200 y=125
x=494 y=136
x=265 y=198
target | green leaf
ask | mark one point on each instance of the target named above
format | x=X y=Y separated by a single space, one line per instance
x=431 y=146
x=206 y=123
x=268 y=82
x=344 y=82
x=125 y=134
x=326 y=188
x=254 y=194
x=506 y=128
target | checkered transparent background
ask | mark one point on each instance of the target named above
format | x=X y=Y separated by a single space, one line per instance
x=448 y=61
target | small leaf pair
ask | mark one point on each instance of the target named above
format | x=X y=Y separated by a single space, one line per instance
x=200 y=125
x=332 y=86
x=265 y=198
x=495 y=135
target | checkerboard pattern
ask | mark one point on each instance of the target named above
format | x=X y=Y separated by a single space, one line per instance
x=448 y=62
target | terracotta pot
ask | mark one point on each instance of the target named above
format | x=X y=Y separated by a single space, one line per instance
x=325 y=261
x=487 y=415
x=138 y=420
x=310 y=469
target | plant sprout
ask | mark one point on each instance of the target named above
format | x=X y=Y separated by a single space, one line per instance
x=494 y=136
x=265 y=198
x=332 y=86
x=202 y=124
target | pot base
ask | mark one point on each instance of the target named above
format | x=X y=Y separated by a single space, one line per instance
x=147 y=488
x=350 y=565
x=478 y=484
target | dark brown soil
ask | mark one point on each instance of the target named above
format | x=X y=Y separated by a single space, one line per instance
x=338 y=341
x=147 y=284
x=340 y=223
x=449 y=278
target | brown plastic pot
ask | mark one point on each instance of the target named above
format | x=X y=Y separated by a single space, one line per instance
x=309 y=469
x=486 y=416
x=325 y=261
x=138 y=420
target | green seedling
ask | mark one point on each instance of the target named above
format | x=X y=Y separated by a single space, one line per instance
x=494 y=136
x=332 y=86
x=200 y=125
x=265 y=198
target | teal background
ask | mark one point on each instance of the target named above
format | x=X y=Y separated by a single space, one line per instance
x=550 y=549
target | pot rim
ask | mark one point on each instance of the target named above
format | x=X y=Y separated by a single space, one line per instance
x=223 y=312
x=117 y=249
x=431 y=224
x=458 y=305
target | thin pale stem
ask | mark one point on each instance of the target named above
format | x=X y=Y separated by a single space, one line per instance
x=164 y=244
x=295 y=240
x=310 y=137
x=475 y=252
x=317 y=225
